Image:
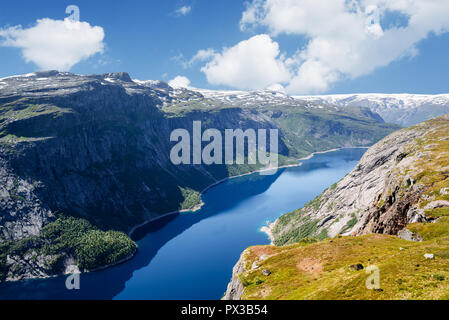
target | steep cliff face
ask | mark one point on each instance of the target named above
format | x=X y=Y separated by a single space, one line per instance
x=382 y=194
x=97 y=148
x=393 y=208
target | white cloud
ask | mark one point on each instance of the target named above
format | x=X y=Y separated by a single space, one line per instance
x=183 y=11
x=276 y=87
x=345 y=39
x=179 y=82
x=55 y=44
x=202 y=55
x=251 y=64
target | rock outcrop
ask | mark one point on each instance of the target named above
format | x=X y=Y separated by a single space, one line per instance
x=235 y=287
x=382 y=194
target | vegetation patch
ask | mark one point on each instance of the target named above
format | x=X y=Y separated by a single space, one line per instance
x=68 y=236
x=305 y=230
x=191 y=198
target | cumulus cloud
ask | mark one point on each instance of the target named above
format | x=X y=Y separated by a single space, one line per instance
x=345 y=39
x=179 y=82
x=251 y=64
x=200 y=56
x=55 y=44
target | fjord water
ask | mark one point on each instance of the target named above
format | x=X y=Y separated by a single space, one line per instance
x=191 y=255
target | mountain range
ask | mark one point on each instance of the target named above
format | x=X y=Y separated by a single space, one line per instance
x=401 y=109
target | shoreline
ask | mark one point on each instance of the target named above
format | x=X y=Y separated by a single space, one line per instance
x=268 y=229
x=201 y=204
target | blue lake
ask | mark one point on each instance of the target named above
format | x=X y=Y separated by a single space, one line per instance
x=191 y=255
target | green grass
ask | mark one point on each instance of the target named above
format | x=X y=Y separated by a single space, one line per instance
x=321 y=270
x=191 y=198
x=305 y=230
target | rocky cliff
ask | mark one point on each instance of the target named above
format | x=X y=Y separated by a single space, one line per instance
x=398 y=191
x=96 y=148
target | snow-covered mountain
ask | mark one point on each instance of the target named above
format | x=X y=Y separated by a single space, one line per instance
x=402 y=109
x=249 y=98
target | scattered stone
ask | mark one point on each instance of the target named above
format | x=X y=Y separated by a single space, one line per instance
x=429 y=256
x=263 y=257
x=444 y=191
x=406 y=234
x=266 y=272
x=400 y=249
x=437 y=204
x=356 y=267
x=72 y=269
x=254 y=266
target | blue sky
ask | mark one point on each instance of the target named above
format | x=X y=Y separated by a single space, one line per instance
x=150 y=40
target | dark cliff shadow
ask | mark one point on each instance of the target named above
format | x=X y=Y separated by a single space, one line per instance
x=107 y=284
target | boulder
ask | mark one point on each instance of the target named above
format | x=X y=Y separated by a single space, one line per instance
x=356 y=267
x=406 y=234
x=266 y=272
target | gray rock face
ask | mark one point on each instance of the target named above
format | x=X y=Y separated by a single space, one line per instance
x=378 y=196
x=22 y=213
x=235 y=288
x=31 y=265
x=266 y=272
x=408 y=235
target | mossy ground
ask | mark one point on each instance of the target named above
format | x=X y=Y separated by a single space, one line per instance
x=322 y=270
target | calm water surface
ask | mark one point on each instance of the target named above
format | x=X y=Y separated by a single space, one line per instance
x=191 y=255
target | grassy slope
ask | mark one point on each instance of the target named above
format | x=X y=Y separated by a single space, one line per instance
x=321 y=269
